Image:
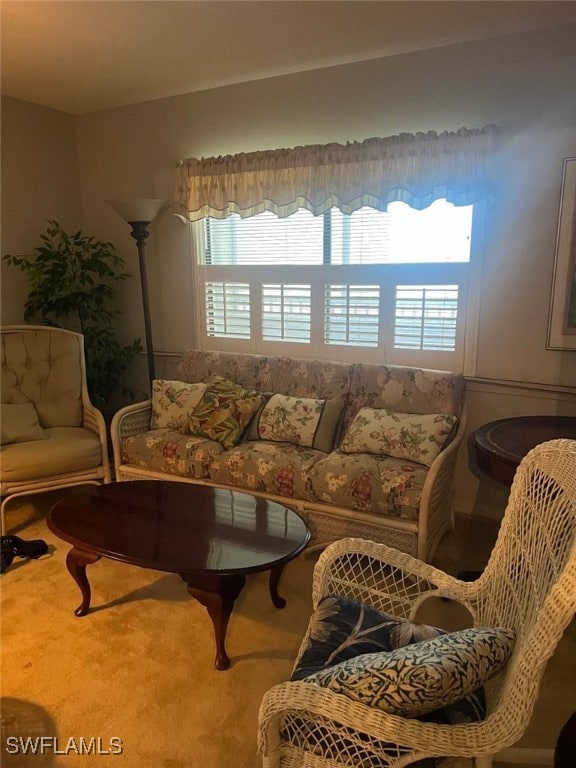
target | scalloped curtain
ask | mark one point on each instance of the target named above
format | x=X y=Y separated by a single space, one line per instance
x=413 y=168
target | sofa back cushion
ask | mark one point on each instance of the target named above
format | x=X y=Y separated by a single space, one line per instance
x=43 y=367
x=298 y=377
x=282 y=375
x=358 y=385
x=197 y=365
x=404 y=389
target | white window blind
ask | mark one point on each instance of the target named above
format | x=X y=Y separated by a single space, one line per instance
x=264 y=239
x=388 y=284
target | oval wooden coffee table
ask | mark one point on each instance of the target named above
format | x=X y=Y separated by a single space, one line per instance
x=211 y=537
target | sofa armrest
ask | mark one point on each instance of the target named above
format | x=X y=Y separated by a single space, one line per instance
x=130 y=420
x=436 y=504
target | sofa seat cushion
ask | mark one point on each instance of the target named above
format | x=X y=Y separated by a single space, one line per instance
x=366 y=482
x=165 y=450
x=66 y=449
x=282 y=469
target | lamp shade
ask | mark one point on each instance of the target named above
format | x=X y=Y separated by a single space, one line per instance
x=138 y=209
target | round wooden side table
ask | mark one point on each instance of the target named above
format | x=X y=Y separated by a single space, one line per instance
x=501 y=445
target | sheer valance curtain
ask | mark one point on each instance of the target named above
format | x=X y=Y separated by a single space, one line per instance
x=413 y=168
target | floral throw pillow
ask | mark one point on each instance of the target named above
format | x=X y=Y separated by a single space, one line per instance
x=173 y=402
x=303 y=421
x=421 y=677
x=224 y=411
x=411 y=436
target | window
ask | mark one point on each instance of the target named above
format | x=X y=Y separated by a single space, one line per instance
x=371 y=285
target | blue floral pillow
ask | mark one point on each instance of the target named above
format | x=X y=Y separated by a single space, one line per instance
x=341 y=630
x=421 y=677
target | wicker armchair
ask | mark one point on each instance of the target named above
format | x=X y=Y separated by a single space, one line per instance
x=529 y=586
x=58 y=437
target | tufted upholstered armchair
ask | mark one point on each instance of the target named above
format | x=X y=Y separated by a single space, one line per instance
x=52 y=435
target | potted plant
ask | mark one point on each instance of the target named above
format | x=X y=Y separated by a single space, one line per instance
x=72 y=278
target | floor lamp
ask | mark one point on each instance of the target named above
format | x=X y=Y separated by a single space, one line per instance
x=139 y=213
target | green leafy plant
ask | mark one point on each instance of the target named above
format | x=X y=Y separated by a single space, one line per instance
x=72 y=279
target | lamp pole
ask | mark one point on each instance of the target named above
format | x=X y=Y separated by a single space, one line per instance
x=140 y=234
x=139 y=213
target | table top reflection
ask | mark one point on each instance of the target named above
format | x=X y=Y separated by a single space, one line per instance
x=177 y=527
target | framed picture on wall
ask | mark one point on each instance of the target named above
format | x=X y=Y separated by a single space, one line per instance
x=562 y=323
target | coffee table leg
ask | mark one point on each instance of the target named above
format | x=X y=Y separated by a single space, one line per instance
x=275 y=574
x=76 y=562
x=217 y=594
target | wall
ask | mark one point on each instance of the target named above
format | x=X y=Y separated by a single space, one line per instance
x=523 y=84
x=39 y=182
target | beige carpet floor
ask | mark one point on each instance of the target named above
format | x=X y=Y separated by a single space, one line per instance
x=140 y=666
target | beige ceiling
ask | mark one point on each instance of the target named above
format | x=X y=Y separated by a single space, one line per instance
x=81 y=56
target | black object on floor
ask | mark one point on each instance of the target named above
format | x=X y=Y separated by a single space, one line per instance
x=566 y=744
x=14 y=546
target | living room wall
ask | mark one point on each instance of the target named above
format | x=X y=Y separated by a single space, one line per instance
x=523 y=84
x=40 y=181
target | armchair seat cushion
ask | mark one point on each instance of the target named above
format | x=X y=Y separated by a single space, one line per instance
x=281 y=469
x=362 y=481
x=66 y=449
x=165 y=450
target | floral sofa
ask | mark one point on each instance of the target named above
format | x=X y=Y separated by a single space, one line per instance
x=357 y=449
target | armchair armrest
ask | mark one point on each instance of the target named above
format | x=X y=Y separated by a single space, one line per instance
x=130 y=420
x=310 y=709
x=93 y=419
x=384 y=578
